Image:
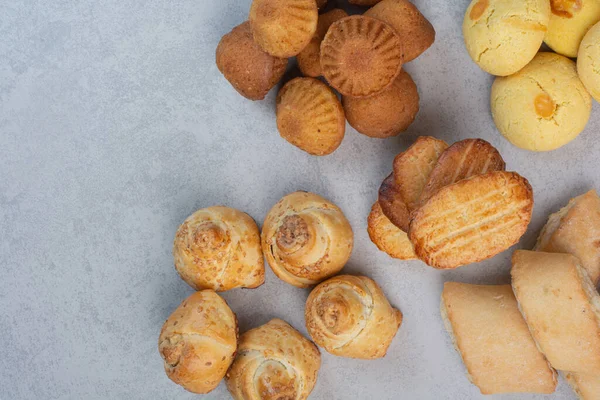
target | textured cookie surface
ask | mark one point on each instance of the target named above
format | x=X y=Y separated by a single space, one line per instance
x=588 y=61
x=387 y=236
x=569 y=22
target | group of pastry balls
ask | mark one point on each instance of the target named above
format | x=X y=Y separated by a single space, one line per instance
x=450 y=205
x=539 y=101
x=360 y=56
x=306 y=240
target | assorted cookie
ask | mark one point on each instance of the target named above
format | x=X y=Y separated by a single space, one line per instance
x=588 y=61
x=569 y=22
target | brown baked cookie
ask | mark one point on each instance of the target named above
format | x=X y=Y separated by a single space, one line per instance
x=414 y=30
x=386 y=113
x=310 y=116
x=309 y=59
x=283 y=28
x=387 y=236
x=361 y=56
x=392 y=204
x=250 y=70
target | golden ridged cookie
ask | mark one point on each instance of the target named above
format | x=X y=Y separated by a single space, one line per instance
x=283 y=28
x=562 y=309
x=219 y=248
x=306 y=239
x=414 y=30
x=350 y=316
x=542 y=107
x=462 y=160
x=472 y=220
x=575 y=229
x=412 y=167
x=361 y=56
x=274 y=361
x=569 y=22
x=587 y=387
x=588 y=61
x=310 y=116
x=386 y=113
x=250 y=70
x=387 y=236
x=198 y=342
x=502 y=36
x=493 y=340
x=309 y=59
x=392 y=204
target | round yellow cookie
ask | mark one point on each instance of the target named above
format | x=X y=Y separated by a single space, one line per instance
x=588 y=61
x=569 y=22
x=542 y=107
x=502 y=36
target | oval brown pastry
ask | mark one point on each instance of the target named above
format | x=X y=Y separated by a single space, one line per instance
x=361 y=56
x=472 y=220
x=392 y=204
x=250 y=70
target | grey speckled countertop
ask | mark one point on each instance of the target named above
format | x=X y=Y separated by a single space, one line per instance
x=115 y=124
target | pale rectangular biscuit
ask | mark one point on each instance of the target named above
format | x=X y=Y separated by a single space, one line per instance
x=585 y=386
x=493 y=340
x=561 y=307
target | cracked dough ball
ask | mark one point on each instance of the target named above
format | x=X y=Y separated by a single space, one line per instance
x=502 y=36
x=588 y=61
x=542 y=107
x=569 y=21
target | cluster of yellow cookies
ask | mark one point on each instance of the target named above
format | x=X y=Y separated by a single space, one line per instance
x=539 y=101
x=514 y=338
x=306 y=240
x=360 y=56
x=450 y=205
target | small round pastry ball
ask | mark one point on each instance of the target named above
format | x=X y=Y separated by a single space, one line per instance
x=250 y=70
x=588 y=61
x=542 y=107
x=569 y=22
x=502 y=36
x=386 y=113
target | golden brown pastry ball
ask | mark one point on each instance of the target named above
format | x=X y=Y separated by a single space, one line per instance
x=198 y=342
x=250 y=70
x=386 y=113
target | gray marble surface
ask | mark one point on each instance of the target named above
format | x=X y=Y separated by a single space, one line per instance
x=115 y=124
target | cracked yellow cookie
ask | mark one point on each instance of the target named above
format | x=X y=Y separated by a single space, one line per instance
x=306 y=239
x=569 y=22
x=387 y=236
x=542 y=107
x=502 y=36
x=219 y=248
x=588 y=61
x=198 y=342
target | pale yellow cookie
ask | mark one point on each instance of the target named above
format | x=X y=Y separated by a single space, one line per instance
x=569 y=22
x=542 y=107
x=502 y=36
x=588 y=61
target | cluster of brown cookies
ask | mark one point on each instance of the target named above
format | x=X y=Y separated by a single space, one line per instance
x=450 y=205
x=513 y=338
x=360 y=56
x=306 y=240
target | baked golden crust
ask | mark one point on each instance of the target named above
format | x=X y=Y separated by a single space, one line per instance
x=250 y=70
x=309 y=59
x=198 y=342
x=306 y=239
x=274 y=362
x=310 y=116
x=575 y=229
x=493 y=340
x=413 y=167
x=387 y=236
x=392 y=204
x=283 y=28
x=462 y=160
x=415 y=31
x=472 y=220
x=361 y=56
x=350 y=317
x=561 y=307
x=386 y=113
x=219 y=248
x=586 y=387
